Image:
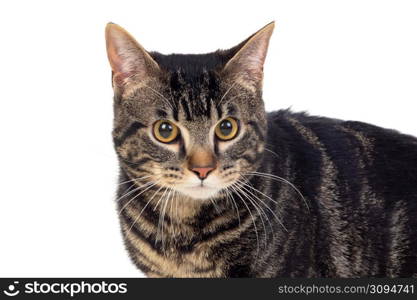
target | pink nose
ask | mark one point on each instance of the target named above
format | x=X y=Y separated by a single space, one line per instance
x=203 y=172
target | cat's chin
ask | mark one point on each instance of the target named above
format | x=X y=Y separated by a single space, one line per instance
x=200 y=192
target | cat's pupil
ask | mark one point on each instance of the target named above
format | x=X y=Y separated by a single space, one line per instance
x=165 y=130
x=226 y=127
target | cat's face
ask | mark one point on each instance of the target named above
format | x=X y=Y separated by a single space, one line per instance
x=194 y=123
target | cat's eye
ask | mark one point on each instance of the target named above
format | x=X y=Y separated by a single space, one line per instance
x=165 y=131
x=227 y=129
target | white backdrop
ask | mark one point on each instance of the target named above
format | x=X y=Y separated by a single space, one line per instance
x=346 y=59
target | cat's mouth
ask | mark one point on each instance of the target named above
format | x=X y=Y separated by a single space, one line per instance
x=199 y=191
x=204 y=189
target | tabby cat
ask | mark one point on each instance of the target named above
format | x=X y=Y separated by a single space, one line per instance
x=213 y=186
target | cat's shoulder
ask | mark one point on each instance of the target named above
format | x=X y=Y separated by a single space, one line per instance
x=302 y=117
x=335 y=128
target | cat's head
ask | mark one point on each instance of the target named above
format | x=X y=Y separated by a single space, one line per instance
x=195 y=123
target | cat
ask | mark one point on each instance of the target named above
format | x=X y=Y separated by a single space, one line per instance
x=213 y=186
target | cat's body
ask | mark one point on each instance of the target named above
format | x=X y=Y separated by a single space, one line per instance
x=284 y=194
x=356 y=223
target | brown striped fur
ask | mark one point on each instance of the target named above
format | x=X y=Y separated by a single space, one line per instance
x=291 y=195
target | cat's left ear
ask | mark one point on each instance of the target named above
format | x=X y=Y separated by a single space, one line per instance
x=248 y=61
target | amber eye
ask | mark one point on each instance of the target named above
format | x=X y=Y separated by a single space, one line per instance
x=227 y=129
x=165 y=131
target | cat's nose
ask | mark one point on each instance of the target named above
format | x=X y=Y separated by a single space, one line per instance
x=202 y=162
x=202 y=172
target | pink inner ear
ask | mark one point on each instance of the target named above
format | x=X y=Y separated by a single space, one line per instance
x=127 y=58
x=128 y=66
x=120 y=65
x=249 y=60
x=120 y=79
x=115 y=61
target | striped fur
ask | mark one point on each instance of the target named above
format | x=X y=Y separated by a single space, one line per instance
x=307 y=196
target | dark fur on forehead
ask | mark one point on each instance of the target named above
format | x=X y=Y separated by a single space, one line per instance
x=195 y=64
x=194 y=80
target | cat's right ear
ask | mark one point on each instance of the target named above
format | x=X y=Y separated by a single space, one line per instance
x=128 y=59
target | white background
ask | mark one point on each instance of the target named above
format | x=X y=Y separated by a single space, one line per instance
x=345 y=59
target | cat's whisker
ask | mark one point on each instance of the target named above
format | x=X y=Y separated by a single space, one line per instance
x=169 y=229
x=160 y=198
x=225 y=94
x=152 y=184
x=143 y=209
x=133 y=191
x=170 y=216
x=273 y=213
x=135 y=179
x=176 y=207
x=176 y=226
x=160 y=95
x=226 y=196
x=247 y=183
x=229 y=196
x=258 y=209
x=270 y=151
x=172 y=99
x=171 y=223
x=128 y=192
x=250 y=213
x=160 y=214
x=213 y=201
x=128 y=189
x=167 y=200
x=160 y=232
x=278 y=178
